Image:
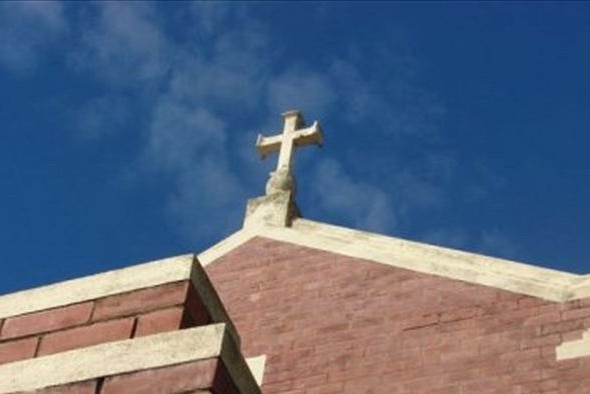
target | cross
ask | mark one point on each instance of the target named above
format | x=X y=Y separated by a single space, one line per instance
x=293 y=136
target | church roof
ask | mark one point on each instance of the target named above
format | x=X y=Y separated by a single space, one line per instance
x=469 y=267
x=275 y=216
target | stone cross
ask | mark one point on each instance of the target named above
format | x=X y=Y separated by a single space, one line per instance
x=293 y=136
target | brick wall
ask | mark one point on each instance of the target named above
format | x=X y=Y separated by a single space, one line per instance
x=171 y=337
x=163 y=308
x=334 y=324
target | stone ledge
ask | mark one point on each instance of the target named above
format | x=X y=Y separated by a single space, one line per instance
x=130 y=355
x=139 y=277
x=97 y=286
x=256 y=365
x=502 y=274
x=136 y=277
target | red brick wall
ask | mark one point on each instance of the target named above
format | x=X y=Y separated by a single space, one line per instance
x=333 y=324
x=158 y=309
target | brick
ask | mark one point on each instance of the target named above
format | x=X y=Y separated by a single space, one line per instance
x=460 y=314
x=531 y=302
x=328 y=388
x=88 y=387
x=421 y=321
x=18 y=349
x=170 y=319
x=109 y=331
x=567 y=336
x=48 y=320
x=576 y=313
x=543 y=318
x=562 y=326
x=548 y=351
x=529 y=342
x=198 y=375
x=140 y=301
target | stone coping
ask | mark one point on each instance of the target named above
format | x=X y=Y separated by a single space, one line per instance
x=469 y=267
x=119 y=281
x=130 y=355
x=503 y=274
x=257 y=365
x=544 y=283
x=159 y=272
x=100 y=285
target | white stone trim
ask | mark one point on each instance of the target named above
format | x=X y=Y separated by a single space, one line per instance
x=256 y=365
x=96 y=286
x=116 y=358
x=574 y=349
x=118 y=281
x=503 y=274
x=454 y=264
x=581 y=287
x=225 y=246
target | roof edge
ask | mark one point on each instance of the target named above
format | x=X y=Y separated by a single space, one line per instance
x=545 y=283
x=122 y=280
x=95 y=286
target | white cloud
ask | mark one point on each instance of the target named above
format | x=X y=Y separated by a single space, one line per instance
x=189 y=91
x=209 y=15
x=180 y=134
x=489 y=242
x=27 y=28
x=207 y=200
x=100 y=116
x=183 y=91
x=360 y=102
x=232 y=74
x=450 y=237
x=123 y=44
x=421 y=185
x=301 y=89
x=188 y=143
x=495 y=243
x=396 y=106
x=369 y=207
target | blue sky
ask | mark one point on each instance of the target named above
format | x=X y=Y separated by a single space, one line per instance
x=127 y=129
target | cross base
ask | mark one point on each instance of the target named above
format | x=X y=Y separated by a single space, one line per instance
x=281 y=180
x=277 y=209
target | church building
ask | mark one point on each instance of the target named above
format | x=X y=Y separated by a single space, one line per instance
x=288 y=305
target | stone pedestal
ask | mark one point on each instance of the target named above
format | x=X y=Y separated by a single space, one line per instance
x=277 y=209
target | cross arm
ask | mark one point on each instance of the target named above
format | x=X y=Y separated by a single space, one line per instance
x=309 y=136
x=268 y=145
